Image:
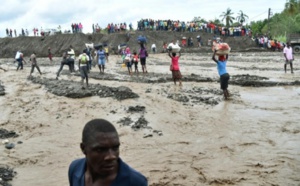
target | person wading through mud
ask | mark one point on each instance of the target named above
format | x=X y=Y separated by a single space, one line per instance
x=101 y=58
x=143 y=54
x=224 y=76
x=34 y=64
x=71 y=59
x=289 y=57
x=83 y=60
x=20 y=58
x=62 y=63
x=102 y=164
x=174 y=67
x=50 y=54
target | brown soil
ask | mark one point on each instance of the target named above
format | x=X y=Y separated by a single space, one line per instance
x=61 y=42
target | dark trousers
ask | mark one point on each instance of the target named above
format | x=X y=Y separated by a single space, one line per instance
x=20 y=64
x=64 y=62
x=71 y=64
x=35 y=66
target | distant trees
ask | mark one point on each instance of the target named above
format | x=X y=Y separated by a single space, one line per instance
x=227 y=15
x=241 y=17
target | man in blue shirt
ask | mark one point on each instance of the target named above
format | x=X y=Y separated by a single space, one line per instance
x=224 y=76
x=102 y=165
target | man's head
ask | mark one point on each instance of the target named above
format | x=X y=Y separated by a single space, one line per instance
x=222 y=58
x=173 y=54
x=288 y=44
x=100 y=144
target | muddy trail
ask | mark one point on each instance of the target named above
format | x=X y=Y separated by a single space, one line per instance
x=174 y=135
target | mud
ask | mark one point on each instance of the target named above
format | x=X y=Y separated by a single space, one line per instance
x=174 y=135
x=6 y=174
x=7 y=134
x=73 y=89
x=2 y=90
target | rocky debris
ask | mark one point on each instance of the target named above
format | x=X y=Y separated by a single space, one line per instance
x=73 y=89
x=179 y=97
x=126 y=121
x=7 y=134
x=257 y=81
x=6 y=175
x=9 y=145
x=137 y=108
x=2 y=90
x=140 y=124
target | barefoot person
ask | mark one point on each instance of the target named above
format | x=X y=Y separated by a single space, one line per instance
x=102 y=164
x=62 y=63
x=143 y=54
x=83 y=65
x=289 y=57
x=224 y=76
x=101 y=58
x=174 y=67
x=20 y=58
x=34 y=64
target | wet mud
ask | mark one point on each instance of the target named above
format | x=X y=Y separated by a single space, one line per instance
x=7 y=134
x=2 y=90
x=74 y=89
x=6 y=175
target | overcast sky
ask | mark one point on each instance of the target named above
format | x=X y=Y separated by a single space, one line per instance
x=29 y=14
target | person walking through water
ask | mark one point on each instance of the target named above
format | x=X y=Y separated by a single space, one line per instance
x=20 y=58
x=50 y=54
x=34 y=64
x=143 y=54
x=63 y=62
x=224 y=76
x=289 y=57
x=83 y=60
x=174 y=67
x=101 y=58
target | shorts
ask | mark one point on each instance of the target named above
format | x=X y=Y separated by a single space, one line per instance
x=128 y=64
x=143 y=61
x=101 y=61
x=289 y=62
x=224 y=81
x=176 y=75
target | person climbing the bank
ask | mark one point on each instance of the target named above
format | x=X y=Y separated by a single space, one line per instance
x=34 y=64
x=20 y=58
x=102 y=164
x=174 y=67
x=224 y=76
x=289 y=56
x=143 y=54
x=83 y=60
x=101 y=58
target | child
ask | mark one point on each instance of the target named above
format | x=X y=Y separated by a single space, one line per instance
x=224 y=76
x=128 y=60
x=135 y=61
x=174 y=67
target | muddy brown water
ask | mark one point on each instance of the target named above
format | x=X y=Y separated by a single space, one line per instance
x=251 y=139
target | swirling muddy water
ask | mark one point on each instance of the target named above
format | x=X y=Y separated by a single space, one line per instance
x=187 y=135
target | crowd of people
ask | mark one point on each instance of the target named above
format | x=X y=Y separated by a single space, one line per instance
x=182 y=26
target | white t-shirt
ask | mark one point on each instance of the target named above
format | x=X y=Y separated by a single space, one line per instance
x=153 y=46
x=288 y=52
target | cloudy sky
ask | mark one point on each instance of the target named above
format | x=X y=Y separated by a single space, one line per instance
x=29 y=14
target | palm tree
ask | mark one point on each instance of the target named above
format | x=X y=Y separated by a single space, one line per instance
x=241 y=17
x=291 y=6
x=227 y=16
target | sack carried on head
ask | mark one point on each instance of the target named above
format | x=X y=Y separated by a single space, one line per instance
x=221 y=48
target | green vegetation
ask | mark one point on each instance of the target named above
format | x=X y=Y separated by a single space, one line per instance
x=281 y=24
